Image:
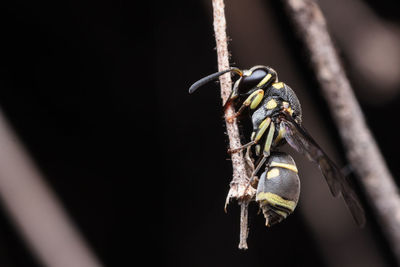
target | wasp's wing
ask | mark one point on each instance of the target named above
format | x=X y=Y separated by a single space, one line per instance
x=298 y=138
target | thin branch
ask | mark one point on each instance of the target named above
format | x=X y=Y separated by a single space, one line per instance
x=241 y=171
x=361 y=148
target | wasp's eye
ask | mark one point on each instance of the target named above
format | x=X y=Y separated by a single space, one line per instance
x=250 y=82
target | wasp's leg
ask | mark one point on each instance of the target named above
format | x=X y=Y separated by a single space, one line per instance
x=268 y=142
x=266 y=153
x=228 y=101
x=256 y=136
x=258 y=150
x=253 y=101
x=236 y=150
x=249 y=161
x=267 y=148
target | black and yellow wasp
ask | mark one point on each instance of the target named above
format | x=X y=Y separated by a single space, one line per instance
x=276 y=119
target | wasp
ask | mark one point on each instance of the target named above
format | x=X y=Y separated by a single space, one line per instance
x=276 y=118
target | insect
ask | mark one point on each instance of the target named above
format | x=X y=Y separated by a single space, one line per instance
x=276 y=118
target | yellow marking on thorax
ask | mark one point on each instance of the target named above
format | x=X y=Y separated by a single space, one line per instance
x=281 y=134
x=278 y=86
x=287 y=107
x=275 y=200
x=288 y=166
x=273 y=173
x=271 y=104
x=265 y=80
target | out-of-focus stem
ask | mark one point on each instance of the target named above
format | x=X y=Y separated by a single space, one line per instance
x=36 y=211
x=361 y=148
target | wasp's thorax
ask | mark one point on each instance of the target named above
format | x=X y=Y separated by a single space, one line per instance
x=287 y=98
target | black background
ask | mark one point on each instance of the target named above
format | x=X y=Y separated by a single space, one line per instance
x=97 y=92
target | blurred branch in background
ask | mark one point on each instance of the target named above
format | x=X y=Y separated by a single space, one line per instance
x=37 y=213
x=371 y=46
x=361 y=148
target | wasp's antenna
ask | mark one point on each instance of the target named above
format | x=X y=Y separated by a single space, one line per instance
x=212 y=77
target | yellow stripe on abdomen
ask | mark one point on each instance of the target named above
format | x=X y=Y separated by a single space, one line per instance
x=288 y=166
x=275 y=200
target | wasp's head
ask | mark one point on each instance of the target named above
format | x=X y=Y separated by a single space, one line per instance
x=258 y=77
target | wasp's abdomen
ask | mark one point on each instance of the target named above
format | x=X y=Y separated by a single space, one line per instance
x=279 y=188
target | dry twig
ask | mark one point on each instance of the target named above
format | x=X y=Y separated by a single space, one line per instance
x=361 y=148
x=240 y=175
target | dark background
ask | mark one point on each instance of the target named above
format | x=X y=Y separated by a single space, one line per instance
x=97 y=92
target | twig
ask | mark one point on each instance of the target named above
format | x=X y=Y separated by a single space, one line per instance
x=240 y=176
x=361 y=148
